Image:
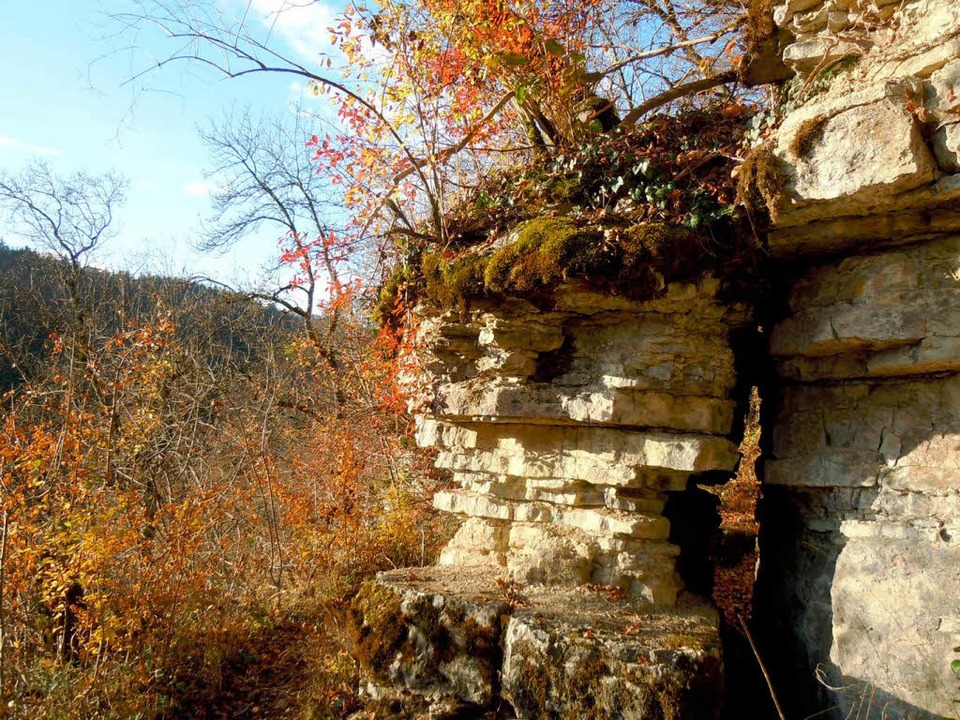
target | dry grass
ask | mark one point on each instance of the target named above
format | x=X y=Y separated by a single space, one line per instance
x=735 y=555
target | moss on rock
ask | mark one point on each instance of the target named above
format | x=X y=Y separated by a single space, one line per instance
x=634 y=262
x=760 y=187
x=448 y=283
x=545 y=252
x=763 y=62
x=378 y=627
x=808 y=135
x=408 y=637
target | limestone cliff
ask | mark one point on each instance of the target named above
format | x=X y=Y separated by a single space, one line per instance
x=569 y=424
x=577 y=420
x=860 y=561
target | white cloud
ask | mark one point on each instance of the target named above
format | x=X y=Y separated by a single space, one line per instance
x=200 y=188
x=9 y=143
x=301 y=24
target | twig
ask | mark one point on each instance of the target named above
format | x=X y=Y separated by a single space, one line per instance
x=3 y=630
x=763 y=668
x=447 y=153
x=600 y=74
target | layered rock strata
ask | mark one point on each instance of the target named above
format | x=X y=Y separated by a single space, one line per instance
x=567 y=428
x=860 y=534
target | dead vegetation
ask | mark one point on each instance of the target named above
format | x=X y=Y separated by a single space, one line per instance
x=761 y=181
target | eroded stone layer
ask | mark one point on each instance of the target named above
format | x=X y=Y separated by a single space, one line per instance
x=567 y=427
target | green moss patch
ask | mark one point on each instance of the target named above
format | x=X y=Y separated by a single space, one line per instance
x=546 y=251
x=449 y=282
x=634 y=262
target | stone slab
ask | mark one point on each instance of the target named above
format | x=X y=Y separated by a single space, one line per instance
x=439 y=641
x=603 y=456
x=867 y=153
x=480 y=400
x=451 y=641
x=595 y=521
x=895 y=613
x=574 y=654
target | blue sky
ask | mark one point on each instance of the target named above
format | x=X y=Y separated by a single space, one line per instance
x=63 y=99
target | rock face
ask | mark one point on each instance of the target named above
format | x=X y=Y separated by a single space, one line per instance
x=574 y=430
x=567 y=429
x=872 y=156
x=860 y=529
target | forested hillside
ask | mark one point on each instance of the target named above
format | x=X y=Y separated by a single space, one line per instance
x=186 y=490
x=36 y=308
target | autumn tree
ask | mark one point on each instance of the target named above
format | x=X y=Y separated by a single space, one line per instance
x=158 y=492
x=266 y=181
x=436 y=93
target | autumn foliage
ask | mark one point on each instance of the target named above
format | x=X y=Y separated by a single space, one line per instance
x=169 y=506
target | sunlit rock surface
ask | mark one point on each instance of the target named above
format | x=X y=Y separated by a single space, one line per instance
x=860 y=528
x=566 y=429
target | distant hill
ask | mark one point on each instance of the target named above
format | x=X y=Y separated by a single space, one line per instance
x=36 y=301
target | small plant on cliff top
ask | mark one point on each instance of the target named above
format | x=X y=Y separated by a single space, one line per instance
x=669 y=169
x=511 y=592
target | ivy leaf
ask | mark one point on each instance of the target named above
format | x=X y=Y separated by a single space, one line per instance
x=595 y=126
x=955 y=665
x=513 y=59
x=553 y=47
x=642 y=168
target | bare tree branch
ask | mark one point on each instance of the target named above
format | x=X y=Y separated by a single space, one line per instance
x=666 y=50
x=677 y=92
